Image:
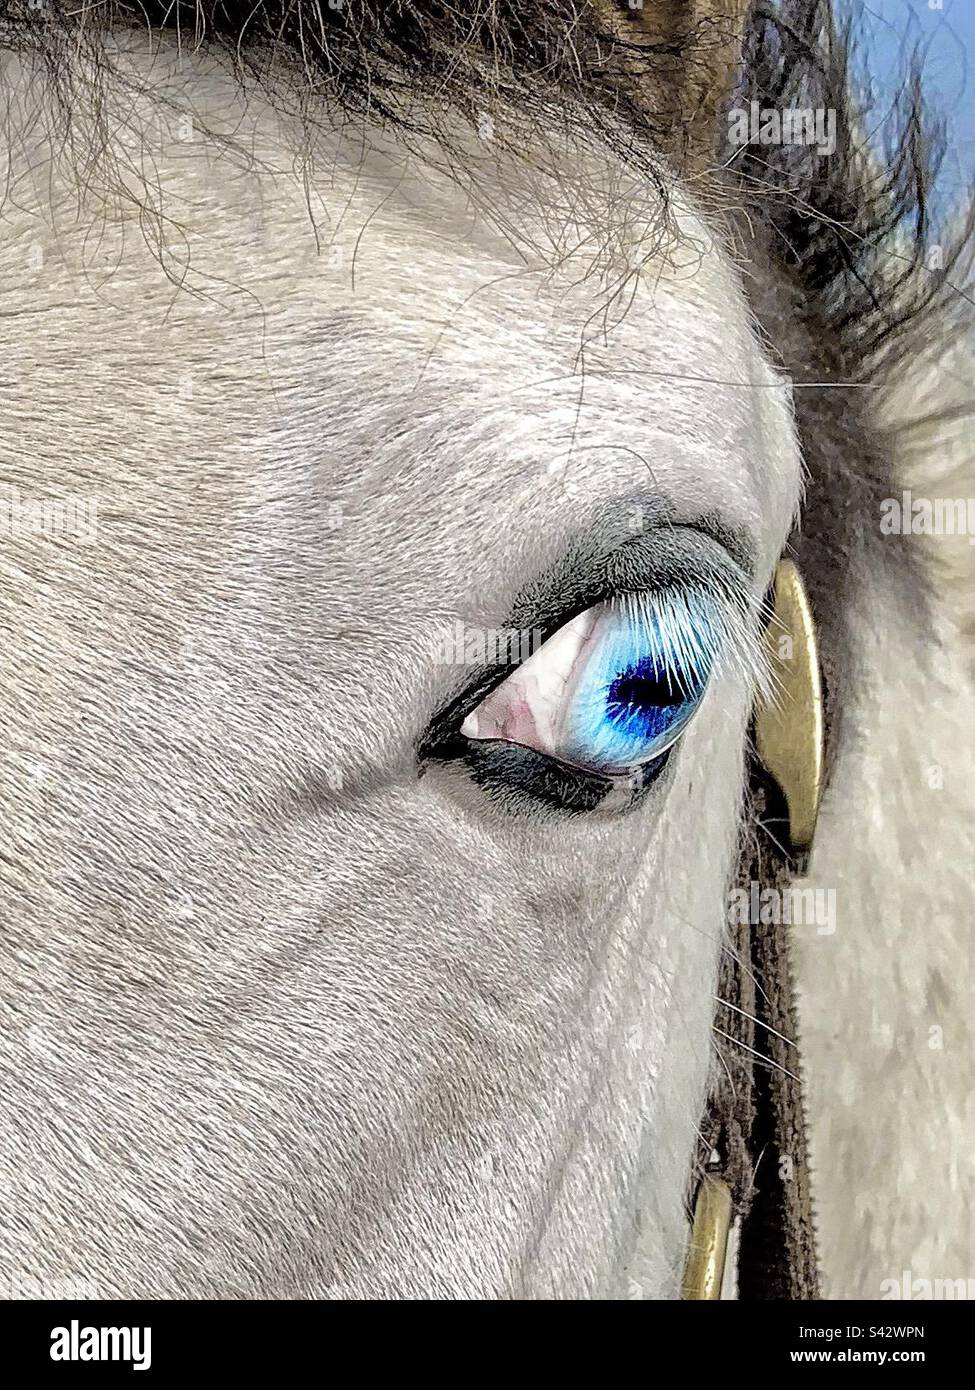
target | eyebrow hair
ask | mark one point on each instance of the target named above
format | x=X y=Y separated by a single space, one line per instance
x=607 y=561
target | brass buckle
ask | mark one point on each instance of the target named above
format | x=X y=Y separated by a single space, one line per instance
x=704 y=1268
x=789 y=728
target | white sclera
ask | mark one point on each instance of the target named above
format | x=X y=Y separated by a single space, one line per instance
x=531 y=705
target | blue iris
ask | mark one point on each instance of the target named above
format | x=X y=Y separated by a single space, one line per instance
x=643 y=680
x=642 y=702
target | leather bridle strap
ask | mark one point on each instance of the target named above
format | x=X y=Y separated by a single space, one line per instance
x=756 y=1170
x=759 y=1122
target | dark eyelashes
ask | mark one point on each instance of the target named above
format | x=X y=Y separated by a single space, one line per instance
x=522 y=781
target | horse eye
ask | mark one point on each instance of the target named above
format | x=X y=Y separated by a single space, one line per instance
x=611 y=690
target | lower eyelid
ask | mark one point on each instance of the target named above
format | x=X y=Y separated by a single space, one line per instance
x=522 y=779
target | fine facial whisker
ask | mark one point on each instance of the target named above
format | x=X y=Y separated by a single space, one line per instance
x=768 y=1061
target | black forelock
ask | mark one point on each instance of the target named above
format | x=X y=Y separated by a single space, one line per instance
x=854 y=228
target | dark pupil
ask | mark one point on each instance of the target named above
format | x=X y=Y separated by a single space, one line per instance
x=645 y=687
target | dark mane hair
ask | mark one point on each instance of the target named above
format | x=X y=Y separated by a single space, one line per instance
x=854 y=228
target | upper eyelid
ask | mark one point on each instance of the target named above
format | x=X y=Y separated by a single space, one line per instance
x=668 y=556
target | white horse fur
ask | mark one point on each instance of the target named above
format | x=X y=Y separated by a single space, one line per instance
x=280 y=1015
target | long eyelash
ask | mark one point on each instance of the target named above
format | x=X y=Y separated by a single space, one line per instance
x=703 y=630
